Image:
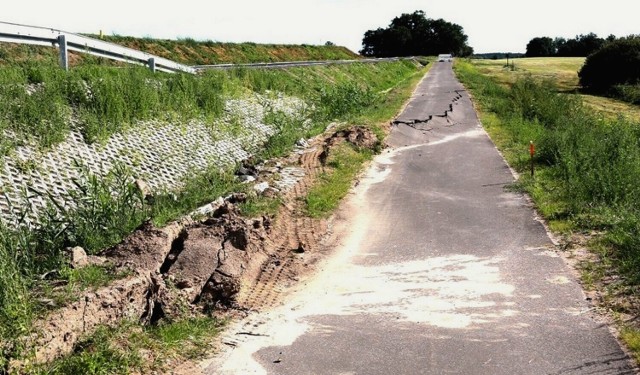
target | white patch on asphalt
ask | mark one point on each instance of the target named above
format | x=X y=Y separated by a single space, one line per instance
x=559 y=280
x=473 y=133
x=447 y=292
x=455 y=292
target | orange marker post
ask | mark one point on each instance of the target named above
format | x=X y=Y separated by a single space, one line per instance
x=532 y=151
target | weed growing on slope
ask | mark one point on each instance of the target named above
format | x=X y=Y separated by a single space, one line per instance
x=96 y=354
x=347 y=98
x=198 y=190
x=40 y=100
x=97 y=214
x=16 y=305
x=345 y=163
x=288 y=129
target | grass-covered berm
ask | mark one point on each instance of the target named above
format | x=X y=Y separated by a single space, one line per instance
x=42 y=104
x=187 y=51
x=587 y=167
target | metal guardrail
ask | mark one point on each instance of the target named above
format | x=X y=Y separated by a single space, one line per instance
x=66 y=41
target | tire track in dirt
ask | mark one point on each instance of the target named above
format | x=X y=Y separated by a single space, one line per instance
x=296 y=240
x=293 y=236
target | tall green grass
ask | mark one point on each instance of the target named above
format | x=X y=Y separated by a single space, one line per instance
x=98 y=214
x=128 y=348
x=588 y=166
x=41 y=99
x=191 y=51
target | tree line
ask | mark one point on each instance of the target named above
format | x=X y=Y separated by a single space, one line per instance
x=413 y=34
x=581 y=46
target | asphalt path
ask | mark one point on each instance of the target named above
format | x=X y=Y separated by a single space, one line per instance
x=439 y=269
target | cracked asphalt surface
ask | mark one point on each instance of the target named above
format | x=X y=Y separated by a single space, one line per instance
x=439 y=269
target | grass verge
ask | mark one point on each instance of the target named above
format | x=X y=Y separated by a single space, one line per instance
x=587 y=166
x=345 y=162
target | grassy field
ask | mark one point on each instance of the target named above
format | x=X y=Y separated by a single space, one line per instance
x=190 y=51
x=563 y=71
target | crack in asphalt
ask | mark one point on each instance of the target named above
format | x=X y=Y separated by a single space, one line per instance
x=413 y=122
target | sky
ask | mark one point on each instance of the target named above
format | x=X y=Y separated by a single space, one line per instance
x=492 y=25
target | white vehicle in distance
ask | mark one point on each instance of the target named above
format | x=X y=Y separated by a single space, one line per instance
x=445 y=57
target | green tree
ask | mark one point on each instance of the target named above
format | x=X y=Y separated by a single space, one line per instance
x=541 y=47
x=580 y=46
x=616 y=63
x=413 y=34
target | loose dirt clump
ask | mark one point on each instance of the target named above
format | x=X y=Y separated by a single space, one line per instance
x=215 y=255
x=147 y=248
x=361 y=137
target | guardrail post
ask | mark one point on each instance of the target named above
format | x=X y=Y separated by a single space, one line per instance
x=152 y=64
x=64 y=53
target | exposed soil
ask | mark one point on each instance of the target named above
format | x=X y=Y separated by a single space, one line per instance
x=610 y=293
x=223 y=263
x=359 y=136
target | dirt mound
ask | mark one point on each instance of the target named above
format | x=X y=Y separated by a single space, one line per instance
x=130 y=298
x=359 y=136
x=147 y=248
x=225 y=261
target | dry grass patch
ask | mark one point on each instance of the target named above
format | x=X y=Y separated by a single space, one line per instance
x=563 y=71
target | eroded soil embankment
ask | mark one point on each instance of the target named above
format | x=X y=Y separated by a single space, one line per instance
x=225 y=261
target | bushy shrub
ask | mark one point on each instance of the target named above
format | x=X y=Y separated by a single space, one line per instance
x=616 y=63
x=627 y=93
x=539 y=101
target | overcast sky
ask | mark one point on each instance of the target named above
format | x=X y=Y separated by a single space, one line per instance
x=492 y=25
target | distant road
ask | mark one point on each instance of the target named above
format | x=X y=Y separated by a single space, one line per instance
x=439 y=270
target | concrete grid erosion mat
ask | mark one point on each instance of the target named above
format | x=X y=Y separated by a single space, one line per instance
x=161 y=154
